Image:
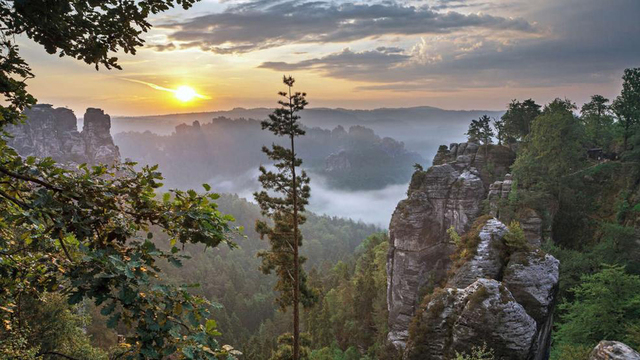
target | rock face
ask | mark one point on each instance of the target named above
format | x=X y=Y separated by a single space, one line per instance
x=488 y=262
x=449 y=194
x=503 y=298
x=531 y=222
x=497 y=295
x=613 y=350
x=52 y=132
x=456 y=320
x=337 y=162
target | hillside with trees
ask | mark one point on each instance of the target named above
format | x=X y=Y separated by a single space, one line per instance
x=355 y=158
x=524 y=249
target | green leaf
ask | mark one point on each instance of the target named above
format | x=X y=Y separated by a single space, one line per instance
x=113 y=320
x=211 y=327
x=107 y=310
x=207 y=187
x=188 y=352
x=75 y=298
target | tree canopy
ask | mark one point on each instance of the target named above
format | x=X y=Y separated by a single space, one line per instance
x=553 y=149
x=85 y=233
x=519 y=118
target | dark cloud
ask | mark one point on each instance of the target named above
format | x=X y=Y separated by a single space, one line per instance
x=163 y=47
x=587 y=44
x=347 y=64
x=271 y=23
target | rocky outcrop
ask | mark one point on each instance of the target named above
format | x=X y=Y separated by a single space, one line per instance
x=449 y=194
x=491 y=161
x=337 y=162
x=613 y=350
x=456 y=320
x=497 y=293
x=497 y=191
x=488 y=261
x=96 y=132
x=502 y=297
x=532 y=278
x=52 y=132
x=530 y=220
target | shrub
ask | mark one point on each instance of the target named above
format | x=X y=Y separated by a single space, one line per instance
x=515 y=238
x=477 y=353
x=453 y=235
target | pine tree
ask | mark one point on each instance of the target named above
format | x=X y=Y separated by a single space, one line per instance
x=627 y=105
x=284 y=208
x=598 y=122
x=518 y=119
x=498 y=124
x=480 y=130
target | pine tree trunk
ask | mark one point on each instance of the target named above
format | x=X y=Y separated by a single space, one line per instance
x=296 y=260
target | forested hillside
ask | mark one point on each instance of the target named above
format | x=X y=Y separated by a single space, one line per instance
x=224 y=149
x=520 y=243
x=341 y=254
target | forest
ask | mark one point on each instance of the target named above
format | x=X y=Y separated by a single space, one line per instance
x=354 y=158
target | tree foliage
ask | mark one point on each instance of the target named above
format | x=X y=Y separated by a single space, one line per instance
x=352 y=311
x=518 y=119
x=606 y=306
x=480 y=130
x=598 y=122
x=84 y=234
x=627 y=105
x=553 y=149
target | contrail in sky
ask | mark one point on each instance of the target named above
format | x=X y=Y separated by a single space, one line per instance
x=162 y=88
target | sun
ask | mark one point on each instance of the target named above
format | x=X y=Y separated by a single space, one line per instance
x=185 y=93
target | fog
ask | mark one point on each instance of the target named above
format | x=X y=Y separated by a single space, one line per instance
x=370 y=206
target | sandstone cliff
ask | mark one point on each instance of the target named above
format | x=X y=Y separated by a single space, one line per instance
x=53 y=132
x=494 y=293
x=450 y=193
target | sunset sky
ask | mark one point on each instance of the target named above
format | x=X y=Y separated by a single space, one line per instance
x=453 y=54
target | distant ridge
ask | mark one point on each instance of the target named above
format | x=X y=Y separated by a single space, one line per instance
x=322 y=117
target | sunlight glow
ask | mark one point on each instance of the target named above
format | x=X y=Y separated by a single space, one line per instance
x=185 y=93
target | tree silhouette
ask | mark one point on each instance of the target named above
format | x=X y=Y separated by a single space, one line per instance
x=627 y=105
x=480 y=130
x=285 y=209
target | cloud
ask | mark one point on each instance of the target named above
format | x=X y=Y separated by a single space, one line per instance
x=271 y=23
x=584 y=42
x=163 y=47
x=347 y=64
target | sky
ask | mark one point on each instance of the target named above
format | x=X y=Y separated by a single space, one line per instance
x=452 y=54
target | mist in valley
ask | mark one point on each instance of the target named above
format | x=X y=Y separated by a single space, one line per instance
x=370 y=206
x=360 y=161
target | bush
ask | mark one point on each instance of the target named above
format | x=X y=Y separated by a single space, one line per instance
x=515 y=238
x=477 y=353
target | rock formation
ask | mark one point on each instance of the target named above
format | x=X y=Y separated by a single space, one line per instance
x=455 y=320
x=613 y=350
x=500 y=296
x=494 y=293
x=52 y=132
x=337 y=162
x=450 y=193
